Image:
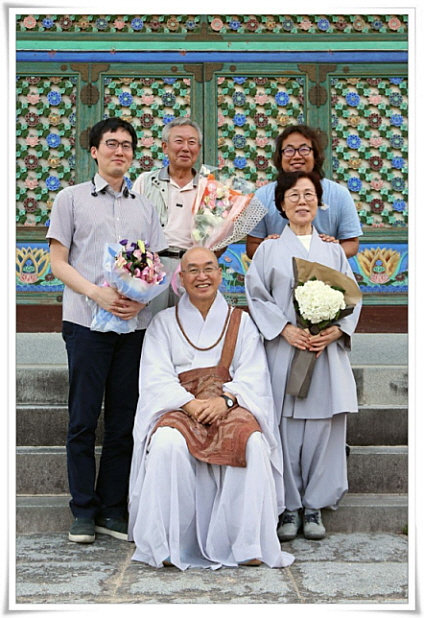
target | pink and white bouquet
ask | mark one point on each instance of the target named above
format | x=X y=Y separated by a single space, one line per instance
x=225 y=210
x=136 y=273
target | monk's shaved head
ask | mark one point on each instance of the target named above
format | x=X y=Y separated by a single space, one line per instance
x=198 y=254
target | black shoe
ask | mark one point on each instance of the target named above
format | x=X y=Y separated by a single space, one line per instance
x=118 y=528
x=82 y=530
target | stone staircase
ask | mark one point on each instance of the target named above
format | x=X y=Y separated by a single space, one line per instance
x=377 y=436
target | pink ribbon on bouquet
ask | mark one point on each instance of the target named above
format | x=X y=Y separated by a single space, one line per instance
x=175 y=276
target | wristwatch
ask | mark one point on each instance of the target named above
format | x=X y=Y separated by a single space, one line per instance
x=230 y=403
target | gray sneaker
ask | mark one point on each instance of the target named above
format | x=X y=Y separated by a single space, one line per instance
x=82 y=530
x=291 y=523
x=312 y=524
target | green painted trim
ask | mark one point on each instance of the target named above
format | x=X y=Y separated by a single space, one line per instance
x=265 y=68
x=94 y=44
x=31 y=234
x=385 y=300
x=39 y=298
x=384 y=235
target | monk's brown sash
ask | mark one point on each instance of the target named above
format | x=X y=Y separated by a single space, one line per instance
x=224 y=441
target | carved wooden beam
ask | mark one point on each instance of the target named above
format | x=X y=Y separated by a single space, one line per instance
x=83 y=68
x=89 y=94
x=84 y=138
x=98 y=68
x=317 y=74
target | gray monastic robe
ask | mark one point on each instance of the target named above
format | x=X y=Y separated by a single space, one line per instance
x=269 y=291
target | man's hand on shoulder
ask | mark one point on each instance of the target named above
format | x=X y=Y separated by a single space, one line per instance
x=328 y=238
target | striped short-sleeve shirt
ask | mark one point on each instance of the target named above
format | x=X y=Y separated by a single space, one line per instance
x=84 y=223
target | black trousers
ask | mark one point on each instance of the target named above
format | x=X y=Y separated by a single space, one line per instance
x=101 y=365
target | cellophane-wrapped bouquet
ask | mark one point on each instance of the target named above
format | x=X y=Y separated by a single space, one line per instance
x=321 y=297
x=225 y=210
x=136 y=273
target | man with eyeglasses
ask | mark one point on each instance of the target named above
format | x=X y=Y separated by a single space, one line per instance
x=298 y=148
x=84 y=218
x=172 y=190
x=206 y=477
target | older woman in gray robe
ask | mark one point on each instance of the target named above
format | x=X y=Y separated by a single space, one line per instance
x=313 y=429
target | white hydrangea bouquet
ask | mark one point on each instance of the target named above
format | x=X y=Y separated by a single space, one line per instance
x=318 y=303
x=321 y=297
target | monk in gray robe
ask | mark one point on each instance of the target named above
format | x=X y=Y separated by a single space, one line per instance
x=313 y=429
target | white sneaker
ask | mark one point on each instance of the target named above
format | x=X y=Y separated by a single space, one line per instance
x=291 y=522
x=312 y=524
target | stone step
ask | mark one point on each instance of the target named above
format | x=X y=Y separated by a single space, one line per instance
x=42 y=384
x=368 y=513
x=381 y=384
x=377 y=385
x=42 y=469
x=43 y=425
x=367 y=349
x=378 y=469
x=371 y=469
x=356 y=513
x=373 y=425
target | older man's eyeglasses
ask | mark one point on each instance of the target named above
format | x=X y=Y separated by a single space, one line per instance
x=194 y=272
x=309 y=196
x=113 y=144
x=290 y=151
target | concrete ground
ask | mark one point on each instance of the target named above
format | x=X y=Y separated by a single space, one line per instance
x=342 y=569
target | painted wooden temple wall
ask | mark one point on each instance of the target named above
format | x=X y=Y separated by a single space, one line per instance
x=243 y=78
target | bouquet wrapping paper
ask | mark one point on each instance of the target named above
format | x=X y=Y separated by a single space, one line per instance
x=303 y=362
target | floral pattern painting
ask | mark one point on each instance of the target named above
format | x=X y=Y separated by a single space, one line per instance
x=364 y=115
x=33 y=273
x=224 y=24
x=378 y=269
x=381 y=268
x=106 y=24
x=234 y=264
x=252 y=111
x=148 y=104
x=370 y=146
x=45 y=144
x=307 y=24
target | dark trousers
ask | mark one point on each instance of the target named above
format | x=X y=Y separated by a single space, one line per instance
x=101 y=365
